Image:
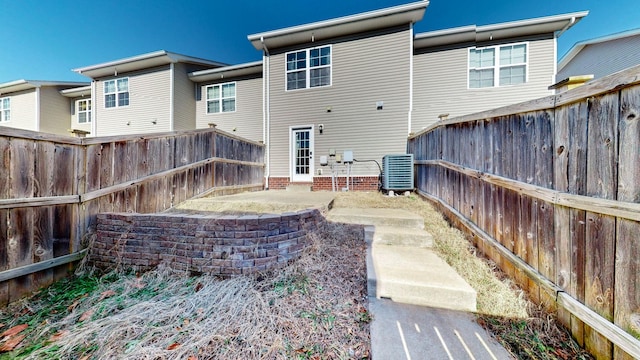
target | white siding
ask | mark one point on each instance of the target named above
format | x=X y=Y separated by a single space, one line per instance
x=440 y=84
x=55 y=111
x=184 y=104
x=149 y=101
x=246 y=120
x=365 y=70
x=23 y=110
x=604 y=58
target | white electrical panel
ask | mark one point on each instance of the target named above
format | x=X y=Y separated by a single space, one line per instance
x=348 y=156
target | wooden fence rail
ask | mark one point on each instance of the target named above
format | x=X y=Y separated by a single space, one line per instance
x=550 y=190
x=52 y=187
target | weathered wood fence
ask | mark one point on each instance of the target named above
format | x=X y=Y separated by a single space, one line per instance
x=550 y=190
x=52 y=187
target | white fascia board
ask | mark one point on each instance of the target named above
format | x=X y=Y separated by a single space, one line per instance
x=139 y=62
x=409 y=13
x=227 y=71
x=512 y=29
x=20 y=85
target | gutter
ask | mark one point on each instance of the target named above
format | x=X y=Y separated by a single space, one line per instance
x=266 y=111
x=566 y=27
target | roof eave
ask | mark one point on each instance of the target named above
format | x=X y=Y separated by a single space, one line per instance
x=409 y=13
x=507 y=30
x=76 y=92
x=227 y=72
x=139 y=62
x=22 y=84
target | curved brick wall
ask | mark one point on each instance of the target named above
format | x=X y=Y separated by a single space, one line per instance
x=214 y=244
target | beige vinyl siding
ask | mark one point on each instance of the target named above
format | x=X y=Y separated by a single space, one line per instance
x=55 y=111
x=23 y=110
x=246 y=120
x=184 y=103
x=441 y=83
x=74 y=116
x=364 y=71
x=597 y=59
x=149 y=101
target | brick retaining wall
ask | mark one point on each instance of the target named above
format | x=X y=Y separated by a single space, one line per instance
x=215 y=244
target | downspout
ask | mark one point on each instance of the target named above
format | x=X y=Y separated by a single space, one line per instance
x=410 y=113
x=94 y=121
x=266 y=116
x=171 y=95
x=38 y=108
x=555 y=46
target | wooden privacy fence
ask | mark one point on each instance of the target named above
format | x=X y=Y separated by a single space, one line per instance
x=52 y=188
x=550 y=190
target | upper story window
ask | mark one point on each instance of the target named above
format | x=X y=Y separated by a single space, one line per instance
x=497 y=66
x=5 y=109
x=116 y=93
x=309 y=68
x=221 y=98
x=84 y=111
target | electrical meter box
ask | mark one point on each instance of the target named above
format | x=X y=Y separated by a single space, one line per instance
x=348 y=156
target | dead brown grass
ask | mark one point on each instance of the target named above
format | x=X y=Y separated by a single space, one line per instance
x=313 y=308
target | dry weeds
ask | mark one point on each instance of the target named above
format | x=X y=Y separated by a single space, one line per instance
x=313 y=308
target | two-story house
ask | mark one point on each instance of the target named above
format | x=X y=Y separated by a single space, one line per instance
x=45 y=106
x=362 y=83
x=145 y=93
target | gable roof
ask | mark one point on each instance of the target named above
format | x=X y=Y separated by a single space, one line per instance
x=227 y=72
x=143 y=61
x=367 y=21
x=551 y=24
x=20 y=85
x=577 y=47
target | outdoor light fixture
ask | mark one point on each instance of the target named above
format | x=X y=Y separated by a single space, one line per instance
x=379 y=105
x=321 y=128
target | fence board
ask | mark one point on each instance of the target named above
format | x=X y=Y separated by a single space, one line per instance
x=627 y=264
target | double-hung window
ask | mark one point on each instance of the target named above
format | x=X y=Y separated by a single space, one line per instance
x=116 y=93
x=497 y=66
x=221 y=98
x=83 y=109
x=309 y=68
x=5 y=109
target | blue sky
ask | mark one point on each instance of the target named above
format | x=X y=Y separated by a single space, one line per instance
x=45 y=39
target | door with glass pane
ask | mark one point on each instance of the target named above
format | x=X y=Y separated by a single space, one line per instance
x=302 y=154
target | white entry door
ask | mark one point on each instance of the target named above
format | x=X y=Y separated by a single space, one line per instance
x=302 y=154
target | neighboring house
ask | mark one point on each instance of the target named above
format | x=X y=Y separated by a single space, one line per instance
x=37 y=105
x=594 y=57
x=231 y=97
x=144 y=94
x=363 y=82
x=476 y=68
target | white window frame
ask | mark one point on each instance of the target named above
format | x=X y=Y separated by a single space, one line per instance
x=308 y=68
x=497 y=66
x=221 y=98
x=87 y=112
x=117 y=93
x=5 y=112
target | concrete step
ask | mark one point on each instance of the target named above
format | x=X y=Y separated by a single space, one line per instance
x=377 y=217
x=299 y=187
x=389 y=235
x=417 y=276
